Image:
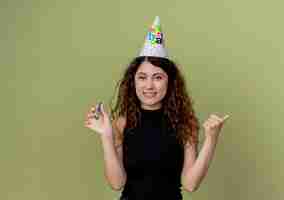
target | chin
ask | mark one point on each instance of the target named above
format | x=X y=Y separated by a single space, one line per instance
x=150 y=103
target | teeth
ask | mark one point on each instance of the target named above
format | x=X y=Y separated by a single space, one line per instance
x=149 y=94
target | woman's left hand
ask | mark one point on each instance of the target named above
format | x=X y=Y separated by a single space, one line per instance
x=213 y=125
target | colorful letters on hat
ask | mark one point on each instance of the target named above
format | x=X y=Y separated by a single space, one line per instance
x=154 y=43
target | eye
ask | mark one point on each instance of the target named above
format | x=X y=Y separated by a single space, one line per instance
x=141 y=77
x=158 y=77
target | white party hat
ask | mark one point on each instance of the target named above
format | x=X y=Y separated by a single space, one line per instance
x=154 y=43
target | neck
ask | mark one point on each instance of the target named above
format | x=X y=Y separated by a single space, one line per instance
x=152 y=107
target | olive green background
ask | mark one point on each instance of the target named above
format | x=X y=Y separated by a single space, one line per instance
x=58 y=57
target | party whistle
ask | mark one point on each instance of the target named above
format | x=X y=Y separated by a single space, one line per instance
x=98 y=111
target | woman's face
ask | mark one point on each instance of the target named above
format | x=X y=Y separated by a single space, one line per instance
x=151 y=85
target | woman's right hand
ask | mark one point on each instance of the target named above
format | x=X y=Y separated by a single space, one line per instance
x=98 y=120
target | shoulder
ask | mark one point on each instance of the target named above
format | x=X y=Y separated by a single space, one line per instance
x=118 y=125
x=191 y=148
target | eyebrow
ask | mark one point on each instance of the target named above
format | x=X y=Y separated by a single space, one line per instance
x=157 y=73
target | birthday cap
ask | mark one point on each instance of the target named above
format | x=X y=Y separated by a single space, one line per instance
x=154 y=43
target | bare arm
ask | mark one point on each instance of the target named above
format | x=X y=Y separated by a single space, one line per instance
x=113 y=167
x=98 y=120
x=195 y=168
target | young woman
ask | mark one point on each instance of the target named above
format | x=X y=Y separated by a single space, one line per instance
x=150 y=146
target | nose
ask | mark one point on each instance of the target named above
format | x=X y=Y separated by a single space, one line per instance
x=149 y=84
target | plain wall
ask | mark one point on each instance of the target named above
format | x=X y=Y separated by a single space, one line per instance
x=58 y=57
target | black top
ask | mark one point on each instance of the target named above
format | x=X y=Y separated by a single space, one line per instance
x=153 y=159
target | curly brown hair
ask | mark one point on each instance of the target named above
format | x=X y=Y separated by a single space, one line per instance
x=177 y=104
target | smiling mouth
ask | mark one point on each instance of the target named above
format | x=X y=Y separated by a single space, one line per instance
x=149 y=94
